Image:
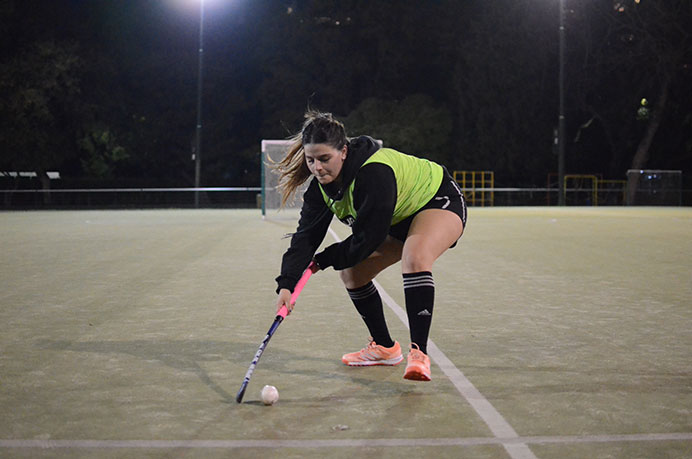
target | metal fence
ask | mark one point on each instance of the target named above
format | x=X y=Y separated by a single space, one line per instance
x=250 y=197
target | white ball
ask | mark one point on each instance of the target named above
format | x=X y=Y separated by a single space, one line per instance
x=270 y=395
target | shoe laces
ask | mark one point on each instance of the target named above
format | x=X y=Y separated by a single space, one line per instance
x=416 y=354
x=371 y=345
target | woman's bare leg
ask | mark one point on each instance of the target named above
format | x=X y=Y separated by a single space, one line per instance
x=432 y=232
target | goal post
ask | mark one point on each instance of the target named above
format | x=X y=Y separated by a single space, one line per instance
x=583 y=189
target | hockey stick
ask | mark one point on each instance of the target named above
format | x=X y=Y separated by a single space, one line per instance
x=280 y=316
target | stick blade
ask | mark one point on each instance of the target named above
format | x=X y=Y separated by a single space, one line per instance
x=241 y=393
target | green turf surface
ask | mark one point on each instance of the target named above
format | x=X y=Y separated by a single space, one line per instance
x=138 y=327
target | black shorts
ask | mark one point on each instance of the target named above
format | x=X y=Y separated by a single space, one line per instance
x=448 y=197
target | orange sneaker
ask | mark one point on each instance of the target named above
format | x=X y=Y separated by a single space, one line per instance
x=374 y=354
x=418 y=365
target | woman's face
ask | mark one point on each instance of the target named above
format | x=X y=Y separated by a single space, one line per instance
x=324 y=161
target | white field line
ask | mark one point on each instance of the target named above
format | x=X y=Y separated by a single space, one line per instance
x=345 y=443
x=493 y=419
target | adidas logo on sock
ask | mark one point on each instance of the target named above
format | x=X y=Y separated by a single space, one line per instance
x=424 y=312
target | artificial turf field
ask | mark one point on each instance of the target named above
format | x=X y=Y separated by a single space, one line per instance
x=557 y=333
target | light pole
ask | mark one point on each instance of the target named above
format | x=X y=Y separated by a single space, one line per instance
x=198 y=131
x=561 y=116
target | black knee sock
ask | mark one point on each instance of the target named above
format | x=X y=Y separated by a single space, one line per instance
x=419 y=292
x=369 y=305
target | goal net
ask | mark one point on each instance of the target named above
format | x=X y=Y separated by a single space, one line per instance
x=272 y=152
x=654 y=188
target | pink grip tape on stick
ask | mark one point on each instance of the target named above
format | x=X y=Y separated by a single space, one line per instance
x=312 y=267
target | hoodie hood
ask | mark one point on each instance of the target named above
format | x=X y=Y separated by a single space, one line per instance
x=359 y=150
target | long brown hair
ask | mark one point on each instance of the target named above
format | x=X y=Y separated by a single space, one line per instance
x=293 y=170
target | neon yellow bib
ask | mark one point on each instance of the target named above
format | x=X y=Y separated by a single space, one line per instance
x=417 y=181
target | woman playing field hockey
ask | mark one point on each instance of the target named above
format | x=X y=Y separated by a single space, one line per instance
x=400 y=208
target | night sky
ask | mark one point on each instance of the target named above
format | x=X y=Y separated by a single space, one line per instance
x=105 y=91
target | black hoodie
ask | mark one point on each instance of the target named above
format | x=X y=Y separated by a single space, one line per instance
x=374 y=199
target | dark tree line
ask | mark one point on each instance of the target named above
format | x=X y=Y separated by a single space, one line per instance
x=106 y=91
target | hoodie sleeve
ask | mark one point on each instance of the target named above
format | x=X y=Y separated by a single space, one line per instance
x=374 y=199
x=314 y=220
